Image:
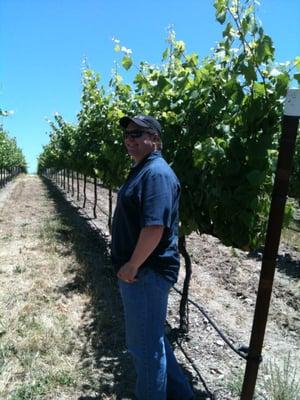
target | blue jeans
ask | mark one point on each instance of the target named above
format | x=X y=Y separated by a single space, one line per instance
x=145 y=307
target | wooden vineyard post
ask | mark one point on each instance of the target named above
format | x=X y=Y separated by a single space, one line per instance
x=280 y=189
x=95 y=197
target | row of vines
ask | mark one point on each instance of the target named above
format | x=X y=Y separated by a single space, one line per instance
x=221 y=118
x=12 y=160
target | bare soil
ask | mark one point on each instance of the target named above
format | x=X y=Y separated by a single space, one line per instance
x=54 y=265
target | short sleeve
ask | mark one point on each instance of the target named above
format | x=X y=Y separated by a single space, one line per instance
x=157 y=199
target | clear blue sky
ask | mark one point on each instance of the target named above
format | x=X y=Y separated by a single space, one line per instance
x=43 y=43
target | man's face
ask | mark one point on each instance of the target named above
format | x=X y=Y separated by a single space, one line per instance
x=139 y=147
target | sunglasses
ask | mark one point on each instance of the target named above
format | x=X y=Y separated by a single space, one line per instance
x=134 y=134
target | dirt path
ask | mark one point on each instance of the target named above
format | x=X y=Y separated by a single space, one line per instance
x=61 y=329
x=59 y=314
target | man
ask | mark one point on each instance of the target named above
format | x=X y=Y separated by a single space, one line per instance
x=145 y=254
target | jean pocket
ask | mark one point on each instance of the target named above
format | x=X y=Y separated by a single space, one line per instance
x=162 y=283
x=142 y=273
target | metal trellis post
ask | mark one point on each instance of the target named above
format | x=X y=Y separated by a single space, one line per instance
x=285 y=157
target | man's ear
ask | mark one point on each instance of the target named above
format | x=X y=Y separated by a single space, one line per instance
x=157 y=141
x=156 y=137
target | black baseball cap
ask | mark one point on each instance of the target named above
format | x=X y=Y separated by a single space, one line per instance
x=146 y=121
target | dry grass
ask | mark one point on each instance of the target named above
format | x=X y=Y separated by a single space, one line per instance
x=277 y=380
x=281 y=381
x=39 y=347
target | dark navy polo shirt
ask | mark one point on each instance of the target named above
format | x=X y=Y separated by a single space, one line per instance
x=150 y=196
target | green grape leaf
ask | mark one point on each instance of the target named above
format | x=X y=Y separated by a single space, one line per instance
x=127 y=62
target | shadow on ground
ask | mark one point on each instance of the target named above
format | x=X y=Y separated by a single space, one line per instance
x=103 y=334
x=286 y=263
